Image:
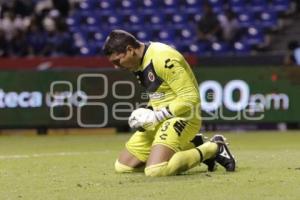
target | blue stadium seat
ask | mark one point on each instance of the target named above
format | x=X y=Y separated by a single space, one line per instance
x=241 y=48
x=169 y=5
x=105 y=5
x=127 y=5
x=237 y=5
x=74 y=20
x=281 y=5
x=89 y=18
x=254 y=36
x=155 y=19
x=164 y=34
x=185 y=33
x=87 y=50
x=96 y=34
x=134 y=19
x=182 y=46
x=220 y=48
x=217 y=5
x=87 y=5
x=199 y=48
x=194 y=15
x=144 y=35
x=258 y=5
x=111 y=20
x=148 y=5
x=191 y=4
x=79 y=37
x=175 y=18
x=268 y=19
x=245 y=19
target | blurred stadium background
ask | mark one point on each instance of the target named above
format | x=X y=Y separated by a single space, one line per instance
x=54 y=75
x=55 y=80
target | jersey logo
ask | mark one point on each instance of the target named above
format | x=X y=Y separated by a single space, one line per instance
x=151 y=76
x=224 y=153
x=168 y=64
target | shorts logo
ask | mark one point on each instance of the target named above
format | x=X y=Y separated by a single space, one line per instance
x=151 y=76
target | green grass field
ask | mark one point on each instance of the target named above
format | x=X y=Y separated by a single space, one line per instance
x=81 y=167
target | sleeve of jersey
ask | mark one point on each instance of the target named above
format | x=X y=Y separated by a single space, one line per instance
x=181 y=81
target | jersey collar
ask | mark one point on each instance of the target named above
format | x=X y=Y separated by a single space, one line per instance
x=145 y=49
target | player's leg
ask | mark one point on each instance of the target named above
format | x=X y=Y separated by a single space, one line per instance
x=127 y=163
x=135 y=155
x=198 y=140
x=166 y=158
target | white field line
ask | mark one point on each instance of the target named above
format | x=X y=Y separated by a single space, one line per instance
x=56 y=154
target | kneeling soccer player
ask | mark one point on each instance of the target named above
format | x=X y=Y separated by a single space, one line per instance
x=162 y=147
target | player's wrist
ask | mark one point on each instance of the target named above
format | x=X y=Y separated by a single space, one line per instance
x=163 y=114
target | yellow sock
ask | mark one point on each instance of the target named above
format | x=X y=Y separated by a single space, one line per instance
x=180 y=162
x=121 y=168
x=208 y=150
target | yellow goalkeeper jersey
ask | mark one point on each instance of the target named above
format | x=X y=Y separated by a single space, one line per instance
x=169 y=80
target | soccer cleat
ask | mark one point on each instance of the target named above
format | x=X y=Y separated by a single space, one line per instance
x=224 y=157
x=199 y=140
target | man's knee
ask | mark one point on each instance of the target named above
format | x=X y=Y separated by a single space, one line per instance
x=157 y=170
x=172 y=167
x=121 y=168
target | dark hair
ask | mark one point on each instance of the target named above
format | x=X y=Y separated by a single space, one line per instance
x=118 y=40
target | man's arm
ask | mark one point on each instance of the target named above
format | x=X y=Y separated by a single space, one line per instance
x=181 y=82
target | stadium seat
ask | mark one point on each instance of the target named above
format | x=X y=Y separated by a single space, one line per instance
x=217 y=5
x=134 y=19
x=127 y=6
x=191 y=4
x=164 y=34
x=199 y=48
x=220 y=48
x=167 y=5
x=245 y=19
x=241 y=48
x=258 y=5
x=194 y=15
x=79 y=37
x=175 y=18
x=155 y=19
x=182 y=46
x=144 y=35
x=254 y=36
x=87 y=5
x=110 y=20
x=146 y=5
x=89 y=18
x=237 y=5
x=73 y=20
x=94 y=34
x=268 y=19
x=185 y=33
x=105 y=5
x=281 y=5
x=88 y=50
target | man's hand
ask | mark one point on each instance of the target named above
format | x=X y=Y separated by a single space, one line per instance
x=147 y=119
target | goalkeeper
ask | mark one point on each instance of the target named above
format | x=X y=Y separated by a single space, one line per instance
x=163 y=146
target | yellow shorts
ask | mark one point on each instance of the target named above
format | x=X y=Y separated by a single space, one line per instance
x=174 y=133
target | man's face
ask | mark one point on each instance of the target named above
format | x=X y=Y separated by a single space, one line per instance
x=126 y=60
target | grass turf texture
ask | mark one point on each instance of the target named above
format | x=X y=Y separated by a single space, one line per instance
x=81 y=167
